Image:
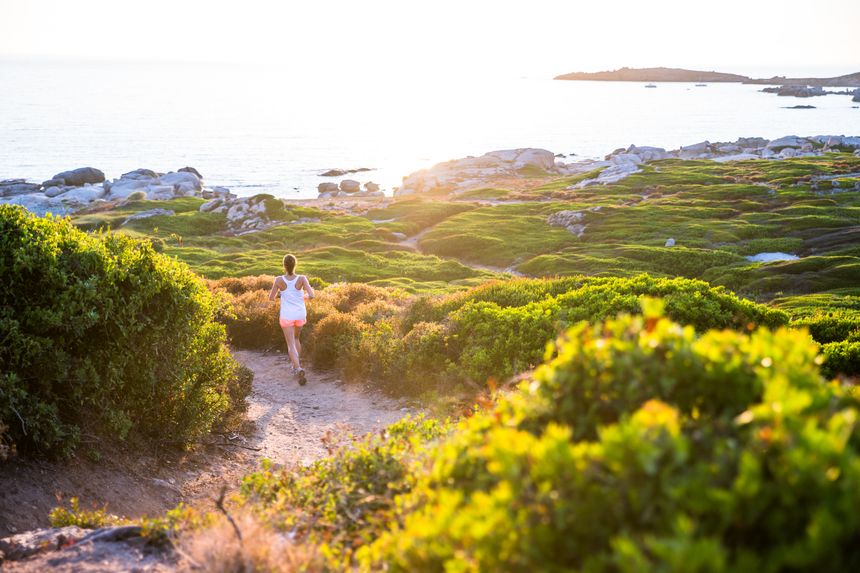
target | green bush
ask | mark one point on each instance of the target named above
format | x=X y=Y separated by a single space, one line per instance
x=640 y=445
x=102 y=333
x=842 y=358
x=500 y=341
x=740 y=458
x=496 y=330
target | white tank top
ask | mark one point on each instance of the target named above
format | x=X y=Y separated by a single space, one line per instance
x=293 y=300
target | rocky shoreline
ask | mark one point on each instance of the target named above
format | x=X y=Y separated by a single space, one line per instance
x=87 y=189
x=462 y=175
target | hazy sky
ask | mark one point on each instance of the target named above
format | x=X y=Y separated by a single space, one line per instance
x=444 y=38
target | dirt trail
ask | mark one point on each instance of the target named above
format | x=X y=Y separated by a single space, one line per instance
x=289 y=422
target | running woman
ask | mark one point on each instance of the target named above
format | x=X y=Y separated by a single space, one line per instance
x=293 y=290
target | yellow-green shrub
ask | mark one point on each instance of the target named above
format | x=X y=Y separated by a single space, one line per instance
x=740 y=457
x=640 y=445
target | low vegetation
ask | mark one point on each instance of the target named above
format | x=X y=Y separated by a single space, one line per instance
x=417 y=343
x=639 y=445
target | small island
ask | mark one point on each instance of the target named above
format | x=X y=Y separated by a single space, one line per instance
x=653 y=75
x=696 y=76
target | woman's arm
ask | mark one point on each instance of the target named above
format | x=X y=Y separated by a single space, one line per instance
x=273 y=294
x=307 y=286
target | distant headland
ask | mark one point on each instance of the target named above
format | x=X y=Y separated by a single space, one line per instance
x=682 y=75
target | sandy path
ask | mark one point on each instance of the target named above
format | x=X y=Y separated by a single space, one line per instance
x=289 y=422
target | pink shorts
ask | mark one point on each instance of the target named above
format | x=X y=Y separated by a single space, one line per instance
x=285 y=323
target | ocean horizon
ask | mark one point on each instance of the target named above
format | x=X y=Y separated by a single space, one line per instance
x=261 y=130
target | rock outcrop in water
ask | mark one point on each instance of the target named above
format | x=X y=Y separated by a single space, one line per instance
x=796 y=91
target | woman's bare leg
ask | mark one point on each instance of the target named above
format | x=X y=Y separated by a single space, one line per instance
x=290 y=336
x=299 y=341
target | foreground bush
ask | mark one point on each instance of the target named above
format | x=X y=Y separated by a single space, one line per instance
x=101 y=333
x=641 y=445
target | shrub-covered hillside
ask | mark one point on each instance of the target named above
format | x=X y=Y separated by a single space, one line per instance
x=102 y=334
x=641 y=445
x=418 y=343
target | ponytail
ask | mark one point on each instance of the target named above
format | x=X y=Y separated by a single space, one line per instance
x=290 y=264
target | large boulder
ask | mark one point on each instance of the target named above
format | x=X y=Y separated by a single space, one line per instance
x=190 y=170
x=140 y=174
x=751 y=143
x=327 y=188
x=525 y=157
x=182 y=182
x=350 y=186
x=82 y=195
x=788 y=141
x=371 y=187
x=122 y=188
x=696 y=150
x=81 y=176
x=647 y=153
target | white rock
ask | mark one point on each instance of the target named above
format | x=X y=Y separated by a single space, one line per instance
x=787 y=152
x=237 y=212
x=54 y=191
x=578 y=230
x=122 y=188
x=565 y=218
x=258 y=208
x=695 y=150
x=729 y=149
x=183 y=179
x=210 y=205
x=670 y=242
x=160 y=192
x=535 y=157
x=148 y=213
x=83 y=194
x=647 y=153
x=626 y=158
x=787 y=141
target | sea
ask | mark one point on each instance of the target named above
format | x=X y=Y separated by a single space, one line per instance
x=259 y=129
